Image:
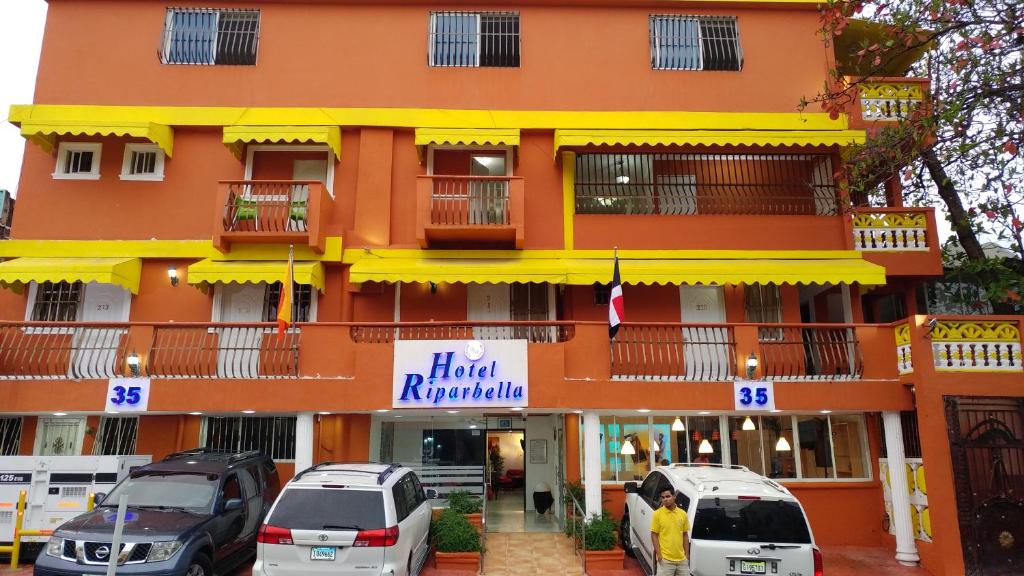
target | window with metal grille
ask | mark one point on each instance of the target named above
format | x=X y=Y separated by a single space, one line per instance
x=691 y=184
x=302 y=298
x=209 y=36
x=10 y=436
x=762 y=303
x=57 y=301
x=116 y=436
x=142 y=162
x=911 y=435
x=602 y=294
x=695 y=43
x=78 y=160
x=272 y=435
x=471 y=39
x=529 y=302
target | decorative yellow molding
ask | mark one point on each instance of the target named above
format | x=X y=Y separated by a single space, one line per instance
x=169 y=249
x=353 y=255
x=954 y=331
x=902 y=334
x=568 y=199
x=891 y=91
x=889 y=220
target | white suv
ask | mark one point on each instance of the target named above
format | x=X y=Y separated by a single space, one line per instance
x=740 y=522
x=346 y=519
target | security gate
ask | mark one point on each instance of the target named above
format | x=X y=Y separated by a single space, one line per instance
x=987 y=444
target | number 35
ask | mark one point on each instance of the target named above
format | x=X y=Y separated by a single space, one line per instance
x=132 y=395
x=757 y=396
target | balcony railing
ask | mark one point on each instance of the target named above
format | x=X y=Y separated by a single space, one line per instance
x=976 y=346
x=248 y=351
x=454 y=209
x=57 y=350
x=810 y=353
x=669 y=351
x=891 y=101
x=891 y=229
x=278 y=211
x=533 y=332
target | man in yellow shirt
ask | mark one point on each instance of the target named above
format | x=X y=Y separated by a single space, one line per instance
x=669 y=525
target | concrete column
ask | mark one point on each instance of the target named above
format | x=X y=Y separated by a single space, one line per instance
x=303 y=441
x=906 y=546
x=592 y=462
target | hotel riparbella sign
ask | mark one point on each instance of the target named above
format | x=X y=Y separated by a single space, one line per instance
x=460 y=374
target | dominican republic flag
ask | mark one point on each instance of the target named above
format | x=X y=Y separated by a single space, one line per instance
x=616 y=307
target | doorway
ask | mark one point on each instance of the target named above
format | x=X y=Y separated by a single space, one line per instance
x=506 y=473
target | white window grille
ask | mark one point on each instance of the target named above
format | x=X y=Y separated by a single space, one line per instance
x=695 y=43
x=117 y=436
x=272 y=435
x=60 y=436
x=142 y=162
x=474 y=39
x=10 y=436
x=207 y=36
x=57 y=301
x=78 y=160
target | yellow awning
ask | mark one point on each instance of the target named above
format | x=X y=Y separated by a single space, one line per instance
x=468 y=137
x=236 y=137
x=580 y=271
x=123 y=272
x=579 y=138
x=206 y=272
x=479 y=270
x=45 y=134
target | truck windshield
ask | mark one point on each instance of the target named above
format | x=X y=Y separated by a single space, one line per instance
x=773 y=521
x=194 y=492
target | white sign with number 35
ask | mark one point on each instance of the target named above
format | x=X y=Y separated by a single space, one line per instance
x=128 y=395
x=756 y=395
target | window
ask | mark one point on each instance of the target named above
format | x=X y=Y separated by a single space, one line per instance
x=10 y=436
x=750 y=520
x=59 y=436
x=803 y=446
x=695 y=43
x=314 y=508
x=204 y=36
x=116 y=436
x=302 y=299
x=142 y=162
x=529 y=302
x=405 y=498
x=78 y=161
x=272 y=435
x=474 y=39
x=762 y=303
x=57 y=301
x=602 y=294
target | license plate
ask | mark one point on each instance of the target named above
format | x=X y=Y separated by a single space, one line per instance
x=752 y=567
x=328 y=552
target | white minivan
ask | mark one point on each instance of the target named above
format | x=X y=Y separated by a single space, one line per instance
x=741 y=523
x=346 y=520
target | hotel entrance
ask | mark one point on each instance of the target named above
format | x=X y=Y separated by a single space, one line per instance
x=514 y=464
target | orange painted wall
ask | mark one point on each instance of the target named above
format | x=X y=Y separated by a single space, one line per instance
x=419 y=305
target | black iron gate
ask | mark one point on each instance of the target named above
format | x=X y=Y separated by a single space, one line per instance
x=987 y=442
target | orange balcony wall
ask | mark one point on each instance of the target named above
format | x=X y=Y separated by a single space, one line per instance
x=470 y=210
x=271 y=211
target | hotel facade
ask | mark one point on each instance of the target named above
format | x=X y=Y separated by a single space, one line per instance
x=453 y=181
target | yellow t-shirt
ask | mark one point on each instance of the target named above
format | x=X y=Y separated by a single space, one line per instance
x=670 y=525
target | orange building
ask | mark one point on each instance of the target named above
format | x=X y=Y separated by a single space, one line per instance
x=452 y=180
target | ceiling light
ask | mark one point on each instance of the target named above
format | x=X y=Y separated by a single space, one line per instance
x=703 y=412
x=60 y=413
x=517 y=409
x=112 y=412
x=826 y=411
x=678 y=426
x=472 y=426
x=627 y=449
x=748 y=424
x=383 y=410
x=643 y=410
x=705 y=447
x=248 y=411
x=453 y=411
x=195 y=413
x=323 y=413
x=782 y=445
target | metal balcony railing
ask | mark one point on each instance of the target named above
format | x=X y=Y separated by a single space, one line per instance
x=469 y=200
x=810 y=353
x=61 y=350
x=249 y=351
x=533 y=332
x=274 y=211
x=670 y=351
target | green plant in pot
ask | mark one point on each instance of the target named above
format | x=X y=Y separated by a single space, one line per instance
x=599 y=533
x=463 y=502
x=453 y=533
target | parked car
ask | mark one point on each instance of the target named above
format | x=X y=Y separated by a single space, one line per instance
x=347 y=519
x=740 y=521
x=193 y=513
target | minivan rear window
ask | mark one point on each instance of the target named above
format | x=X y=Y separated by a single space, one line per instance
x=777 y=521
x=330 y=509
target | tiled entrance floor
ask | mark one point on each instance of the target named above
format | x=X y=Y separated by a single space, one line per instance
x=530 y=554
x=506 y=513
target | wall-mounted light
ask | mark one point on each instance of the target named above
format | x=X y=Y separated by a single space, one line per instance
x=751 y=365
x=782 y=445
x=678 y=426
x=172 y=274
x=705 y=447
x=134 y=364
x=748 y=424
x=433 y=287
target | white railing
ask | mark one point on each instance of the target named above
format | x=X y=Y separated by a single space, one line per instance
x=447 y=479
x=889 y=101
x=884 y=231
x=968 y=346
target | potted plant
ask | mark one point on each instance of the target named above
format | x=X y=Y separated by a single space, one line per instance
x=456 y=541
x=468 y=505
x=575 y=490
x=600 y=544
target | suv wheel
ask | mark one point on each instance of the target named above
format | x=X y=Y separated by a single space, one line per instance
x=625 y=536
x=200 y=565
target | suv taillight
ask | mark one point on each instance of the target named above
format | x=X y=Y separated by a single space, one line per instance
x=377 y=538
x=819 y=566
x=274 y=535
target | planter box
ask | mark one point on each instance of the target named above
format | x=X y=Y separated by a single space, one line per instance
x=459 y=561
x=477 y=520
x=435 y=514
x=605 y=560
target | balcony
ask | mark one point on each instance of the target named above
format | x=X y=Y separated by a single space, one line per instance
x=271 y=211
x=887 y=100
x=463 y=210
x=903 y=239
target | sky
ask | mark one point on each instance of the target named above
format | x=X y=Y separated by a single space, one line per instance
x=21 y=35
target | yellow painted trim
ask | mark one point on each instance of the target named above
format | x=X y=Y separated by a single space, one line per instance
x=236 y=137
x=124 y=272
x=170 y=249
x=467 y=137
x=208 y=272
x=712 y=137
x=429 y=118
x=568 y=199
x=44 y=132
x=354 y=255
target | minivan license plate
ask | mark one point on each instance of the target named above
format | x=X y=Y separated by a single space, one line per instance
x=752 y=567
x=328 y=552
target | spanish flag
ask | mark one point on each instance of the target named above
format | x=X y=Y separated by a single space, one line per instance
x=284 y=303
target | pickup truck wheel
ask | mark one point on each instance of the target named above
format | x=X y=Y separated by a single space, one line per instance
x=200 y=565
x=625 y=537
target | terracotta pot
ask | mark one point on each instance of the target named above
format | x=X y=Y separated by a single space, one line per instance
x=605 y=560
x=457 y=561
x=435 y=514
x=477 y=520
